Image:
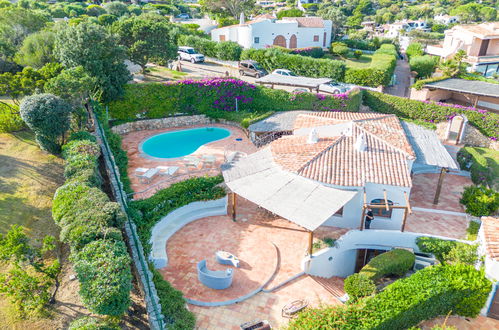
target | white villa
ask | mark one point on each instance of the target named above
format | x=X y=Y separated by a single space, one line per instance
x=395 y=29
x=446 y=19
x=266 y=30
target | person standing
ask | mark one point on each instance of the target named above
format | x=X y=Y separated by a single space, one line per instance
x=369 y=217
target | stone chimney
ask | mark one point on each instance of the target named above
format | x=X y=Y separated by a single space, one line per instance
x=360 y=143
x=312 y=137
x=242 y=20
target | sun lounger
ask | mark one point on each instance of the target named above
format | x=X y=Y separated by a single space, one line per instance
x=147 y=176
x=140 y=171
x=192 y=162
x=167 y=170
x=209 y=159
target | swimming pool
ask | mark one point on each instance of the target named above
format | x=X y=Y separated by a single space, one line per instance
x=181 y=143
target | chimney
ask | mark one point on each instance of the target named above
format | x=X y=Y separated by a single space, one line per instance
x=241 y=19
x=312 y=137
x=360 y=143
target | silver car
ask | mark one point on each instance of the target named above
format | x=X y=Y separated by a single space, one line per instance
x=190 y=54
x=334 y=87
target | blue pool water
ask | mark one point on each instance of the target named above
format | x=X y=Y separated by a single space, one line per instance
x=181 y=143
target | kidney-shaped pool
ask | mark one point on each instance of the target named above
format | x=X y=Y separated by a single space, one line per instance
x=181 y=143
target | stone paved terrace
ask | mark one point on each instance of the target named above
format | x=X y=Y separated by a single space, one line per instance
x=220 y=148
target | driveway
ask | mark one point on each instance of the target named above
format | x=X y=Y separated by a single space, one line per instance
x=403 y=81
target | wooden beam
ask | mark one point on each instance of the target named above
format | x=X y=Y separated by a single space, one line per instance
x=310 y=242
x=234 y=198
x=365 y=197
x=386 y=200
x=407 y=203
x=439 y=185
x=404 y=219
x=362 y=218
x=461 y=127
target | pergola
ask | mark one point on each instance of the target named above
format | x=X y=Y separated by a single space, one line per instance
x=312 y=84
x=430 y=152
x=303 y=201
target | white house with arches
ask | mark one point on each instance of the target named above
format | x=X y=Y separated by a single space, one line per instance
x=289 y=32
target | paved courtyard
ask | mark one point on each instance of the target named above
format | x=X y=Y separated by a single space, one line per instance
x=219 y=149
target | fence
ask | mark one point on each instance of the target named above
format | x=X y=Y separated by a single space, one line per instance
x=153 y=307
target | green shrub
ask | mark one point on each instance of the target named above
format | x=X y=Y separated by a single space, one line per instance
x=485 y=122
x=447 y=251
x=436 y=290
x=103 y=269
x=414 y=49
x=177 y=316
x=380 y=71
x=228 y=50
x=81 y=135
x=423 y=65
x=48 y=117
x=357 y=54
x=472 y=230
x=273 y=58
x=224 y=50
x=359 y=285
x=10 y=121
x=92 y=323
x=339 y=48
x=480 y=200
x=395 y=262
x=294 y=12
x=315 y=52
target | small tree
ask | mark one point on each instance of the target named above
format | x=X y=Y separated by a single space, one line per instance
x=339 y=48
x=357 y=54
x=48 y=116
x=30 y=276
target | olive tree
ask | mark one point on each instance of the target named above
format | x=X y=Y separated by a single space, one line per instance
x=48 y=116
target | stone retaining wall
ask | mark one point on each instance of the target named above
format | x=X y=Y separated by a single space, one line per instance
x=169 y=122
x=472 y=136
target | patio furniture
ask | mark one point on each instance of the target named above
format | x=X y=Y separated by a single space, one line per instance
x=256 y=324
x=191 y=161
x=167 y=170
x=148 y=175
x=227 y=258
x=209 y=159
x=140 y=171
x=294 y=307
x=214 y=279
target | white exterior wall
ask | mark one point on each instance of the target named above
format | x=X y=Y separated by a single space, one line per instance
x=352 y=211
x=266 y=31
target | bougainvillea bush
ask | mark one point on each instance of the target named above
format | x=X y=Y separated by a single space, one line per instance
x=217 y=96
x=486 y=122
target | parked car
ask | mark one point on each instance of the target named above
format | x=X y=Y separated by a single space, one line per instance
x=251 y=68
x=189 y=54
x=334 y=87
x=284 y=72
x=184 y=16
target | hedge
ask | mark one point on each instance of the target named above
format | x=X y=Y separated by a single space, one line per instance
x=447 y=251
x=424 y=65
x=147 y=212
x=394 y=262
x=273 y=58
x=436 y=290
x=380 y=71
x=216 y=98
x=224 y=50
x=103 y=269
x=486 y=122
x=359 y=285
x=371 y=45
x=90 y=224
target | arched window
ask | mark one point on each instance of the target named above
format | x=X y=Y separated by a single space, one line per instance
x=381 y=212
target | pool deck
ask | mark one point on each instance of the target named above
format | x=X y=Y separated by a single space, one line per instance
x=219 y=149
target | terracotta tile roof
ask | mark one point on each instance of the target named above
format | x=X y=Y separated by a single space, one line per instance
x=484 y=29
x=491 y=233
x=334 y=160
x=311 y=22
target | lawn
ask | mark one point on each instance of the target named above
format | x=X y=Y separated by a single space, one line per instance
x=363 y=62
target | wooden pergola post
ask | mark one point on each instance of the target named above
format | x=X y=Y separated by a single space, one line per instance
x=439 y=185
x=404 y=219
x=234 y=197
x=310 y=242
x=362 y=219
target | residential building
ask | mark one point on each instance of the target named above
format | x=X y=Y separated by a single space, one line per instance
x=266 y=30
x=445 y=19
x=395 y=29
x=479 y=41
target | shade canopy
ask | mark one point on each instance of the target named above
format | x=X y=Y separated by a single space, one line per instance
x=302 y=201
x=428 y=148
